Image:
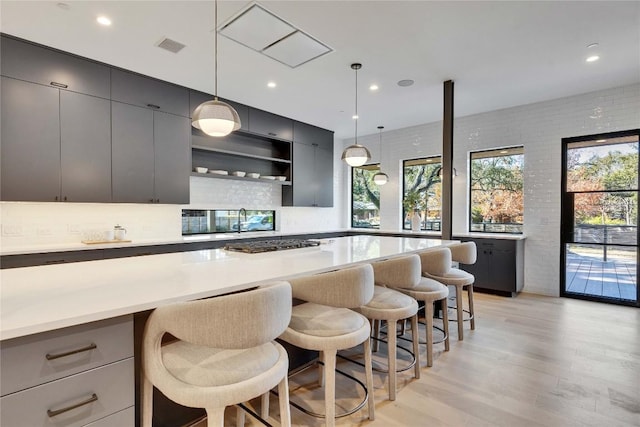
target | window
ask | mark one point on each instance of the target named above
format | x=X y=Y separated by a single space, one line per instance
x=365 y=197
x=422 y=189
x=221 y=221
x=497 y=204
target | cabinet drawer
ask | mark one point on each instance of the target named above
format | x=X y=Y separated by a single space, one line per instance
x=125 y=418
x=270 y=125
x=37 y=64
x=24 y=362
x=149 y=93
x=95 y=393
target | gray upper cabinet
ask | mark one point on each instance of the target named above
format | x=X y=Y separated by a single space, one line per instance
x=149 y=93
x=196 y=98
x=25 y=61
x=270 y=125
x=132 y=151
x=172 y=158
x=312 y=178
x=85 y=142
x=30 y=142
x=151 y=155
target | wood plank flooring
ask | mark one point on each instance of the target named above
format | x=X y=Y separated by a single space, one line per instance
x=532 y=361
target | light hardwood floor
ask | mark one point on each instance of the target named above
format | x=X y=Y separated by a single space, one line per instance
x=532 y=361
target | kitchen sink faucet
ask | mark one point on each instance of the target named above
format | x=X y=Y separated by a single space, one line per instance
x=242 y=211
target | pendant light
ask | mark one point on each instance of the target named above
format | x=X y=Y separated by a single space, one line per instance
x=216 y=118
x=380 y=178
x=356 y=154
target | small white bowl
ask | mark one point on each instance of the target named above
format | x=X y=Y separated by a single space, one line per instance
x=201 y=169
x=253 y=175
x=269 y=177
x=281 y=178
x=238 y=173
x=219 y=172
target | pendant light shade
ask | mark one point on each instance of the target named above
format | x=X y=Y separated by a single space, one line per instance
x=380 y=178
x=215 y=118
x=356 y=154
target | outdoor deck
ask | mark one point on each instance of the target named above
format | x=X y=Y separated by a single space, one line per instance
x=590 y=275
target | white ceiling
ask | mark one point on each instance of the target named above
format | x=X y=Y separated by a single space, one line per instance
x=499 y=54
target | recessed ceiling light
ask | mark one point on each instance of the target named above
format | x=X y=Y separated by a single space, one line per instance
x=373 y=87
x=355 y=117
x=271 y=84
x=593 y=58
x=103 y=20
x=405 y=83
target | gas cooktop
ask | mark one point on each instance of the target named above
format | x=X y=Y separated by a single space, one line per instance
x=270 y=245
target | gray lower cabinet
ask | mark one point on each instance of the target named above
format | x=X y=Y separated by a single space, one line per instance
x=69 y=377
x=312 y=177
x=150 y=155
x=64 y=154
x=499 y=267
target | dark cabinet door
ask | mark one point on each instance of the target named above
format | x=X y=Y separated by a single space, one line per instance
x=132 y=153
x=304 y=184
x=308 y=134
x=149 y=93
x=503 y=270
x=172 y=152
x=270 y=125
x=324 y=177
x=30 y=142
x=196 y=98
x=26 y=61
x=85 y=143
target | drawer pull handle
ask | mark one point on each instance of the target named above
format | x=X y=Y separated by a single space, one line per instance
x=62 y=85
x=157 y=107
x=91 y=346
x=51 y=414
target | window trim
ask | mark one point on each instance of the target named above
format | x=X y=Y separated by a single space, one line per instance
x=403 y=214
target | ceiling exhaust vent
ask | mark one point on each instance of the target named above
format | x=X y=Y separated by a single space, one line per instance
x=267 y=33
x=170 y=45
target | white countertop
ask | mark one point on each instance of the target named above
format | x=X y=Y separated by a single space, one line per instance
x=42 y=298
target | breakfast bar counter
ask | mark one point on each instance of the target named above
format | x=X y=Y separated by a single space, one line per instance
x=44 y=298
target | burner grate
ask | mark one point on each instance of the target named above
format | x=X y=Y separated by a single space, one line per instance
x=270 y=245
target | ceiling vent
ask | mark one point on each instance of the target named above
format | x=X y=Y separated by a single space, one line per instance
x=267 y=33
x=170 y=45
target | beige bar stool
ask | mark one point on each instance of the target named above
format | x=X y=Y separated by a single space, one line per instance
x=324 y=323
x=391 y=306
x=406 y=277
x=442 y=271
x=224 y=355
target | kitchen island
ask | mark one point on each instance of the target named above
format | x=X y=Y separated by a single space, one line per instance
x=71 y=333
x=44 y=298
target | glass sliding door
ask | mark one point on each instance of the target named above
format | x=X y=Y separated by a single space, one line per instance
x=600 y=218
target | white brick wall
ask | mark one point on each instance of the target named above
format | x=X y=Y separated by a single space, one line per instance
x=538 y=127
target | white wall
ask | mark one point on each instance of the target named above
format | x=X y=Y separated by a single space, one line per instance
x=539 y=128
x=33 y=224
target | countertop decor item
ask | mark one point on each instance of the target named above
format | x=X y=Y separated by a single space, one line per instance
x=238 y=173
x=201 y=169
x=380 y=178
x=215 y=118
x=356 y=154
x=253 y=175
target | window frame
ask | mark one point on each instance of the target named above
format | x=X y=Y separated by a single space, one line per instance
x=403 y=213
x=511 y=151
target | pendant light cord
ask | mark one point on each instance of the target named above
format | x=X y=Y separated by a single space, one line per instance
x=215 y=45
x=357 y=118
